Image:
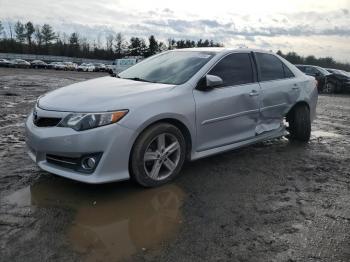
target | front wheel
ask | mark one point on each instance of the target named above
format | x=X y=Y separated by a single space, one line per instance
x=299 y=123
x=158 y=155
x=328 y=88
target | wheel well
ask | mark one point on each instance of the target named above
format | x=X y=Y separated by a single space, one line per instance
x=184 y=130
x=288 y=115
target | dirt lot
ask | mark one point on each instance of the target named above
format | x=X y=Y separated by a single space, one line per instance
x=274 y=201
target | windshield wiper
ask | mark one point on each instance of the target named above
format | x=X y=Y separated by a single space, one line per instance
x=139 y=79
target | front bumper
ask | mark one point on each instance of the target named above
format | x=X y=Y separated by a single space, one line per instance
x=113 y=141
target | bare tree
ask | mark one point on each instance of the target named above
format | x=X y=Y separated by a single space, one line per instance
x=38 y=36
x=10 y=30
x=109 y=43
x=1 y=28
x=120 y=45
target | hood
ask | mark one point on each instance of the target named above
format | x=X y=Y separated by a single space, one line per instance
x=101 y=94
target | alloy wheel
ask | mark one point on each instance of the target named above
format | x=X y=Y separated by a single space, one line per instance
x=162 y=156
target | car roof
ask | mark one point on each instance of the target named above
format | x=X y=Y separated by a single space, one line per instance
x=222 y=50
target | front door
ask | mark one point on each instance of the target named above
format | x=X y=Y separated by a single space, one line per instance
x=228 y=113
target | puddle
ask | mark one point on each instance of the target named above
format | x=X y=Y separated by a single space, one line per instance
x=111 y=222
x=319 y=133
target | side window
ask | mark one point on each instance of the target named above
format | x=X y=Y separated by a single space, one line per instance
x=271 y=68
x=287 y=72
x=310 y=71
x=234 y=69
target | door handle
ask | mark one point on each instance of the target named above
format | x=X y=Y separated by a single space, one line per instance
x=295 y=87
x=254 y=93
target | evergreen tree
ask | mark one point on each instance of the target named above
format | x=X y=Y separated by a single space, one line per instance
x=47 y=34
x=74 y=44
x=153 y=46
x=29 y=30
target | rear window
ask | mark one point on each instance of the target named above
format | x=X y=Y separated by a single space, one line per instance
x=272 y=68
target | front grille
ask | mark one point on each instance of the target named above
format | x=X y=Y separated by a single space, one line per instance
x=46 y=121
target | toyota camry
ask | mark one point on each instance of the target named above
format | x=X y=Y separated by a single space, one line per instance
x=175 y=106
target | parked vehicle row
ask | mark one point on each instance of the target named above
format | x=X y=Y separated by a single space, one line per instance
x=67 y=66
x=329 y=80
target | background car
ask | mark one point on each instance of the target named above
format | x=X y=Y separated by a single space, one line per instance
x=342 y=79
x=20 y=63
x=70 y=66
x=38 y=64
x=326 y=81
x=51 y=65
x=99 y=67
x=5 y=63
x=60 y=66
x=85 y=67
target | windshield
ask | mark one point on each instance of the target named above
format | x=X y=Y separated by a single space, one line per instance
x=323 y=71
x=173 y=67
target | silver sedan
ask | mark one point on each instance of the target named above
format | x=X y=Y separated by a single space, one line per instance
x=175 y=106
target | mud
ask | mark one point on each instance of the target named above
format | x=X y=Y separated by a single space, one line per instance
x=274 y=201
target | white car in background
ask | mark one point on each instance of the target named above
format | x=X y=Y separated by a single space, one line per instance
x=85 y=67
x=60 y=66
x=71 y=66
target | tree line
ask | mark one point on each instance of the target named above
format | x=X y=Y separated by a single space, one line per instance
x=28 y=38
x=326 y=62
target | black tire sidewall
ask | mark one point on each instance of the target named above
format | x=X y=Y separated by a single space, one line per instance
x=300 y=124
x=137 y=165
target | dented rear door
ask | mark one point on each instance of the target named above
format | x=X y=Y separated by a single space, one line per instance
x=279 y=92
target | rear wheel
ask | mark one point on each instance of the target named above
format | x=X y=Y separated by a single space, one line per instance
x=158 y=155
x=299 y=123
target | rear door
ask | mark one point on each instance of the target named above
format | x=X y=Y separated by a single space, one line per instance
x=279 y=91
x=228 y=113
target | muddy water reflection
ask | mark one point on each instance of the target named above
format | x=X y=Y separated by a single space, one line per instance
x=112 y=222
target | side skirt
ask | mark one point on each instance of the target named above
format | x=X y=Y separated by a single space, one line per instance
x=262 y=137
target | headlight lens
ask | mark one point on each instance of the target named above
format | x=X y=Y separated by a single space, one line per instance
x=84 y=121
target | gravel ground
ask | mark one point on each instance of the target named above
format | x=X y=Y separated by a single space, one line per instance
x=274 y=201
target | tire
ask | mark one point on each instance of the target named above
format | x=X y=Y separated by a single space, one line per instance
x=328 y=88
x=162 y=165
x=299 y=124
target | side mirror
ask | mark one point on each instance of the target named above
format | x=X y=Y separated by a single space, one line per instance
x=317 y=74
x=209 y=82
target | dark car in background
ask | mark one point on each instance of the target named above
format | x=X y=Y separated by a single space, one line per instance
x=342 y=79
x=38 y=64
x=20 y=63
x=99 y=67
x=5 y=63
x=327 y=82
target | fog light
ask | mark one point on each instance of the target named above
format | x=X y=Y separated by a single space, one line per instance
x=88 y=163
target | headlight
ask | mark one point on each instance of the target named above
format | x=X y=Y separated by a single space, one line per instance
x=84 y=121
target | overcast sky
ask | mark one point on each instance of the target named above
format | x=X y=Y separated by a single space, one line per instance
x=319 y=27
